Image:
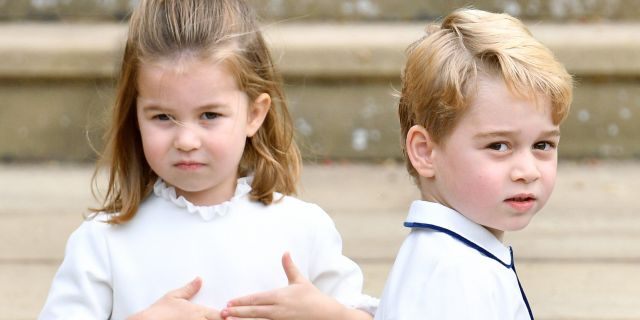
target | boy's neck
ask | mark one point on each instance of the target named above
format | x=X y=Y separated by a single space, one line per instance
x=499 y=234
x=426 y=196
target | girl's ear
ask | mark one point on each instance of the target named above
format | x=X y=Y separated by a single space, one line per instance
x=420 y=150
x=257 y=112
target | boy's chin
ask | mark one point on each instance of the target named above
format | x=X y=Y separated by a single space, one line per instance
x=518 y=224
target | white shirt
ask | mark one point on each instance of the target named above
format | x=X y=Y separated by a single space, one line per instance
x=114 y=271
x=451 y=268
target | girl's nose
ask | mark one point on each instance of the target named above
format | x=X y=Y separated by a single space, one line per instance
x=187 y=138
x=525 y=169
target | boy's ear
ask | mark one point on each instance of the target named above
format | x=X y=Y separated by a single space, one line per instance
x=420 y=151
x=257 y=112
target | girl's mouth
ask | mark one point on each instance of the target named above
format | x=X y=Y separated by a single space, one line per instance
x=188 y=165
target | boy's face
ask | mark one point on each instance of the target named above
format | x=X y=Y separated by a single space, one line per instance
x=498 y=165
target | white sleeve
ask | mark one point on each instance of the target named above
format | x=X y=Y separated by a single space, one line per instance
x=335 y=274
x=81 y=289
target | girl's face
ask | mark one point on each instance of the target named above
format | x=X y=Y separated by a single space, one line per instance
x=498 y=166
x=194 y=122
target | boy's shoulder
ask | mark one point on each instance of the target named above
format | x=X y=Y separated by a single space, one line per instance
x=441 y=262
x=436 y=275
x=440 y=252
x=438 y=248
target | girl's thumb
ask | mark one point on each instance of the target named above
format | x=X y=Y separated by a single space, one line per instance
x=293 y=274
x=189 y=290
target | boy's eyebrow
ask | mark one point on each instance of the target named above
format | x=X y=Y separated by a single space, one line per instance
x=551 y=133
x=507 y=133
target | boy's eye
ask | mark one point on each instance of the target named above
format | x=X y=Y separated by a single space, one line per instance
x=498 y=146
x=209 y=115
x=544 y=145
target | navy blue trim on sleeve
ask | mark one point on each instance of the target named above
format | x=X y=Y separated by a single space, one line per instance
x=478 y=248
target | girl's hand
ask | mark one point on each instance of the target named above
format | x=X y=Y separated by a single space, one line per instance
x=176 y=305
x=300 y=300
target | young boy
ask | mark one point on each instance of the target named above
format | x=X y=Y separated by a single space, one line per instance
x=480 y=110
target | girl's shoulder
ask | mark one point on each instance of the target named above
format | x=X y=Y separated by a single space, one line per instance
x=96 y=223
x=89 y=240
x=296 y=205
x=292 y=201
x=295 y=210
x=94 y=226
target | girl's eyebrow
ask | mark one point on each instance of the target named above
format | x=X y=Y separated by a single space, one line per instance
x=211 y=106
x=148 y=104
x=152 y=106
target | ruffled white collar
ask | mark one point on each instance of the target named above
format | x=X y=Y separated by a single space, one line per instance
x=208 y=213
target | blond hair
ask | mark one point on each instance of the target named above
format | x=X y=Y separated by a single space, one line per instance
x=224 y=29
x=442 y=70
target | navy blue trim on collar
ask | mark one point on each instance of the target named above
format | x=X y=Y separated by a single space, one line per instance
x=462 y=239
x=478 y=248
x=524 y=296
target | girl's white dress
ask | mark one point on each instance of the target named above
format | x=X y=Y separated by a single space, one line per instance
x=113 y=271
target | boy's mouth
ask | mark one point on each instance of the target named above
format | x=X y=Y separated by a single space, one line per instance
x=521 y=202
x=522 y=197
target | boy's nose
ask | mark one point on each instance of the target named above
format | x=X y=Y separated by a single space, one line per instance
x=186 y=139
x=525 y=169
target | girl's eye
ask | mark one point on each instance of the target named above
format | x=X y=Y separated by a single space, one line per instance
x=209 y=115
x=162 y=117
x=498 y=146
x=544 y=145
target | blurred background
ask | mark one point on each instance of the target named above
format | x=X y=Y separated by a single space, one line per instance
x=341 y=62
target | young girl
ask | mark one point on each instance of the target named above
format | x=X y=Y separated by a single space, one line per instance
x=201 y=159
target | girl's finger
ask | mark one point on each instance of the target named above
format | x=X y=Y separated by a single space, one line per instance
x=187 y=291
x=265 y=298
x=290 y=269
x=248 y=312
x=212 y=314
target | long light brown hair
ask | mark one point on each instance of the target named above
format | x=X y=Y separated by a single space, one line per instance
x=442 y=69
x=228 y=30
